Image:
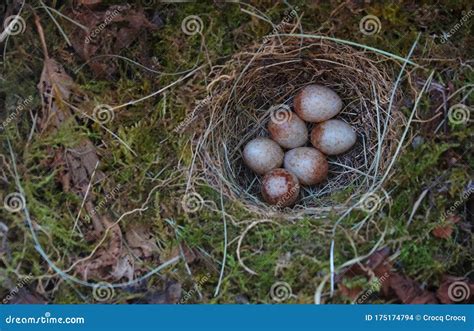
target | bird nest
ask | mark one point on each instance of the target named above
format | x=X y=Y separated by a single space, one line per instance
x=252 y=88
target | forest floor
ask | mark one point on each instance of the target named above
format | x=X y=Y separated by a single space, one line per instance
x=93 y=198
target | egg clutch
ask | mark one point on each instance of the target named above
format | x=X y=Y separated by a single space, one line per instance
x=284 y=172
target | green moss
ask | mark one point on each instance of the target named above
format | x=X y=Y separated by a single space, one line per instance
x=161 y=154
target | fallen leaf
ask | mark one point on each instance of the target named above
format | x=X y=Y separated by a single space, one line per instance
x=351 y=293
x=170 y=295
x=424 y=298
x=106 y=257
x=26 y=297
x=123 y=268
x=141 y=241
x=409 y=292
x=107 y=32
x=383 y=273
x=188 y=253
x=242 y=299
x=375 y=262
x=443 y=231
x=376 y=265
x=56 y=88
x=453 y=218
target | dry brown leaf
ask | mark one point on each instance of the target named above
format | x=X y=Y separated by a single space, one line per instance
x=170 y=295
x=106 y=257
x=383 y=273
x=141 y=241
x=124 y=268
x=443 y=231
x=408 y=291
x=446 y=230
x=189 y=254
x=25 y=296
x=109 y=32
x=454 y=219
x=56 y=88
x=376 y=264
x=351 y=293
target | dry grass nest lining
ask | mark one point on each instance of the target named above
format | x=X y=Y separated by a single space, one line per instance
x=246 y=90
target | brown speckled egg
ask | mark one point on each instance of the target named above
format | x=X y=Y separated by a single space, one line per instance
x=280 y=187
x=316 y=103
x=308 y=164
x=262 y=155
x=333 y=137
x=291 y=132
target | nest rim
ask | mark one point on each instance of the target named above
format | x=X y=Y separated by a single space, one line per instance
x=239 y=110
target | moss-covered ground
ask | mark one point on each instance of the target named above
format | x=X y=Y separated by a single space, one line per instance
x=297 y=253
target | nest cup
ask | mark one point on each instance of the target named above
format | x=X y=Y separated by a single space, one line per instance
x=256 y=86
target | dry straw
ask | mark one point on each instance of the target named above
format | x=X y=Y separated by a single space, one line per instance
x=247 y=90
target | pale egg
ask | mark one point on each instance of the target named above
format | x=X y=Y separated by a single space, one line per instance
x=316 y=103
x=308 y=164
x=288 y=131
x=333 y=137
x=280 y=187
x=262 y=155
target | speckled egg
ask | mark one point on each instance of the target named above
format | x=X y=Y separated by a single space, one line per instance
x=308 y=164
x=280 y=187
x=316 y=103
x=291 y=132
x=262 y=155
x=333 y=137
